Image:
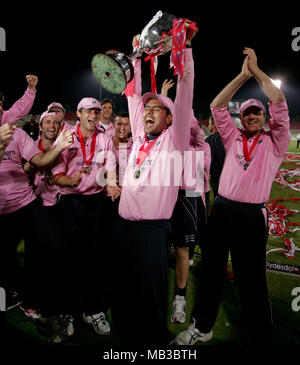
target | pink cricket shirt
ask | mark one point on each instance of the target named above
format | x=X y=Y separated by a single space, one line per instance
x=71 y=161
x=47 y=192
x=15 y=191
x=122 y=156
x=197 y=161
x=109 y=130
x=153 y=195
x=252 y=185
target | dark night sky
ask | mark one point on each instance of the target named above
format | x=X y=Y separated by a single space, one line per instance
x=58 y=46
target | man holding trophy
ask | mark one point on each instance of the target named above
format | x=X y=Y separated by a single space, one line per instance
x=141 y=235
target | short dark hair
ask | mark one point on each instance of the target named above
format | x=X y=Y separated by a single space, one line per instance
x=122 y=115
x=106 y=101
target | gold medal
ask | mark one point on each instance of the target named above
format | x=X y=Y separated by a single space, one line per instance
x=86 y=170
x=49 y=180
x=137 y=174
x=246 y=165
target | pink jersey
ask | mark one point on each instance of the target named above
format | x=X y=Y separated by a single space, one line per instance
x=193 y=159
x=15 y=191
x=123 y=151
x=71 y=161
x=197 y=162
x=44 y=186
x=154 y=193
x=109 y=129
x=252 y=185
x=20 y=108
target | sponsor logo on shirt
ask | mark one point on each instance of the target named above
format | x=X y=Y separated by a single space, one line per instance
x=8 y=155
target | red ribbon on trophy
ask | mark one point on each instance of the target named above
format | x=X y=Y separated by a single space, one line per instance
x=182 y=30
x=129 y=90
x=152 y=58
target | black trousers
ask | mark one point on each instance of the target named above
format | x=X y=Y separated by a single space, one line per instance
x=40 y=280
x=184 y=221
x=238 y=228
x=85 y=226
x=202 y=217
x=140 y=281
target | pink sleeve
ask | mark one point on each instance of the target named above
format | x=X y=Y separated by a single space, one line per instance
x=180 y=131
x=197 y=135
x=110 y=161
x=27 y=146
x=279 y=127
x=225 y=125
x=135 y=104
x=20 y=108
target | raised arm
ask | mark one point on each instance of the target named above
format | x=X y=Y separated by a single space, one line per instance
x=273 y=93
x=279 y=122
x=22 y=106
x=166 y=86
x=184 y=101
x=135 y=104
x=221 y=115
x=64 y=141
x=223 y=98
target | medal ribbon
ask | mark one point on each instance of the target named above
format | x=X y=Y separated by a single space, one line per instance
x=87 y=162
x=247 y=153
x=41 y=148
x=143 y=151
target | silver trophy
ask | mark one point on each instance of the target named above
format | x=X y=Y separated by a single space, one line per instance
x=114 y=69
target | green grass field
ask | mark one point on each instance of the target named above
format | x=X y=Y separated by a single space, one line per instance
x=228 y=329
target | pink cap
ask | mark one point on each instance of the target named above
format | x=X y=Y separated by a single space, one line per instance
x=167 y=102
x=46 y=114
x=89 y=103
x=55 y=104
x=252 y=102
